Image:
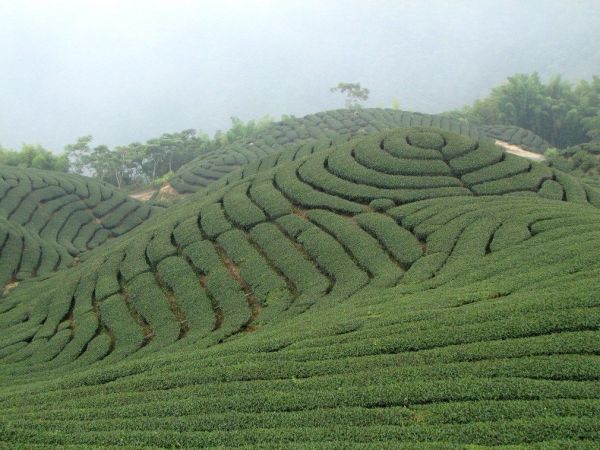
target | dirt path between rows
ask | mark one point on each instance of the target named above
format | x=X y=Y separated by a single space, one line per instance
x=520 y=151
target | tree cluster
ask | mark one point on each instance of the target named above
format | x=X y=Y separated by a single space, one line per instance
x=136 y=163
x=34 y=156
x=150 y=162
x=155 y=160
x=563 y=113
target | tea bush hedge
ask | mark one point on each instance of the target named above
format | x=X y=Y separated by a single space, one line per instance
x=58 y=217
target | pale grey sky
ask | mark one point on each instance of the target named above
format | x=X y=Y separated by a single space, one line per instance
x=130 y=70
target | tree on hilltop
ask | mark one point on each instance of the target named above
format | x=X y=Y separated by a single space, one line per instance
x=355 y=94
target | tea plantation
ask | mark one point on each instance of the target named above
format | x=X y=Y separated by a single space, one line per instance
x=47 y=219
x=410 y=288
x=317 y=131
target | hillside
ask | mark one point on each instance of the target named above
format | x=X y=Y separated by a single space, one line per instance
x=581 y=160
x=47 y=219
x=409 y=286
x=328 y=126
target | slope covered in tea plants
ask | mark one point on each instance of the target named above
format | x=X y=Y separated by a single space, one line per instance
x=412 y=286
x=301 y=136
x=47 y=219
x=328 y=126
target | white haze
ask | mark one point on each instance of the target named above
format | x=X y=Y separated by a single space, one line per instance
x=127 y=71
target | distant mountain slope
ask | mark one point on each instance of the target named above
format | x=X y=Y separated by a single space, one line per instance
x=49 y=218
x=410 y=287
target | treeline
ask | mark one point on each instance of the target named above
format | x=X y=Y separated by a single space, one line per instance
x=36 y=156
x=564 y=114
x=151 y=162
x=137 y=163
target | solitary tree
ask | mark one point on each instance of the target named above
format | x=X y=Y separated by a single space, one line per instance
x=355 y=94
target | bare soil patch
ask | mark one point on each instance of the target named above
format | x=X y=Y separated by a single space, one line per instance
x=520 y=151
x=143 y=196
x=167 y=192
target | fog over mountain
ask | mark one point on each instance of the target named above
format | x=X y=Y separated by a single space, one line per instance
x=128 y=71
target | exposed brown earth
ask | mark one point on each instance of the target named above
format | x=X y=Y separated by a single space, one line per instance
x=520 y=151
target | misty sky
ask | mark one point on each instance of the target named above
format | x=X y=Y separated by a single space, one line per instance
x=127 y=71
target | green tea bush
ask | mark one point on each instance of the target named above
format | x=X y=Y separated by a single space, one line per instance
x=364 y=249
x=334 y=260
x=61 y=216
x=127 y=334
x=399 y=242
x=289 y=260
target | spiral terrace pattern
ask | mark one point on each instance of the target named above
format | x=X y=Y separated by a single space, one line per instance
x=317 y=132
x=326 y=127
x=378 y=291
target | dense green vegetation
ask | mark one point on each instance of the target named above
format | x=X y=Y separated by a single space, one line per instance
x=297 y=137
x=562 y=113
x=34 y=156
x=523 y=111
x=580 y=160
x=411 y=286
x=48 y=219
x=155 y=162
x=310 y=133
x=136 y=162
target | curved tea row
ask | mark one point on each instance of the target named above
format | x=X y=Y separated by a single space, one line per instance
x=329 y=126
x=327 y=225
x=48 y=219
x=517 y=136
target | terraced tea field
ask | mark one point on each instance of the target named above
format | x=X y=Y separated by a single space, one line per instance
x=48 y=219
x=298 y=137
x=411 y=287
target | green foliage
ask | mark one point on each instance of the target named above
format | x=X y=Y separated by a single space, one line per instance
x=580 y=160
x=354 y=94
x=151 y=162
x=240 y=129
x=562 y=113
x=294 y=138
x=51 y=218
x=34 y=156
x=364 y=292
x=516 y=136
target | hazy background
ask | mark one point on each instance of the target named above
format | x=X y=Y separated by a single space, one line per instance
x=130 y=70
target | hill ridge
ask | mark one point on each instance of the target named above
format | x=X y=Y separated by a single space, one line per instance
x=328 y=126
